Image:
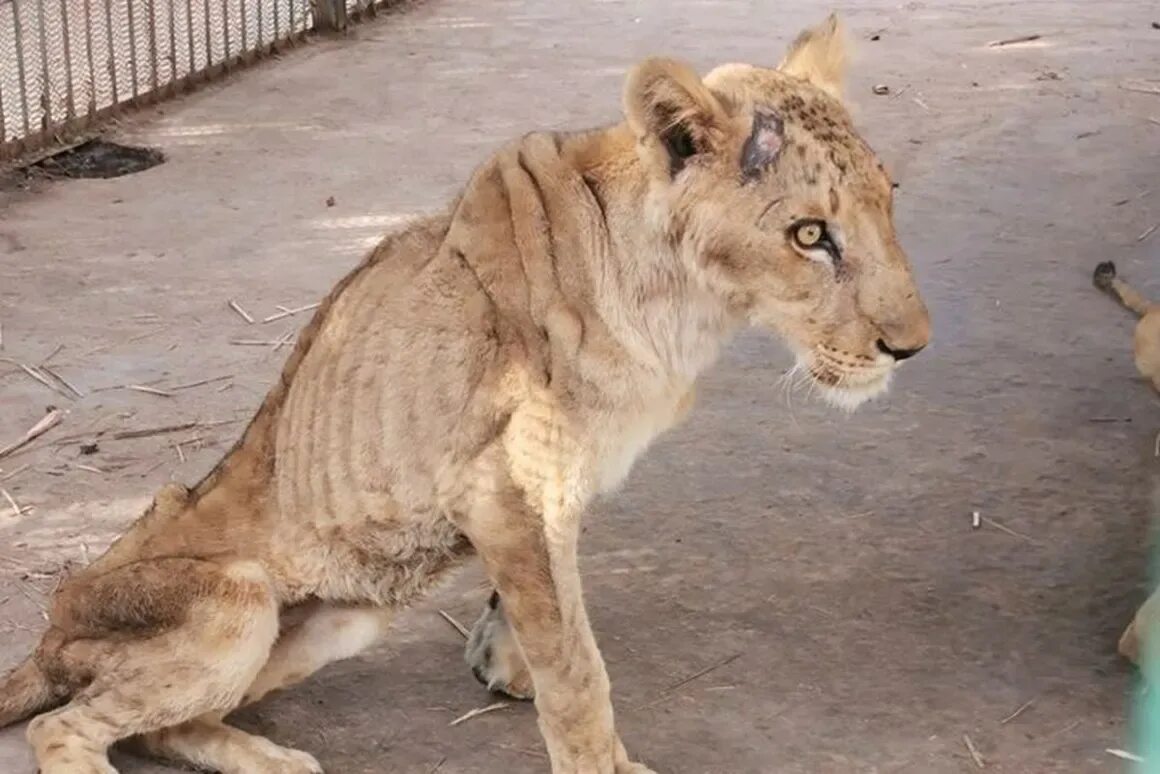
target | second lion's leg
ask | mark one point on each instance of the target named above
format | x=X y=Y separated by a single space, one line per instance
x=531 y=558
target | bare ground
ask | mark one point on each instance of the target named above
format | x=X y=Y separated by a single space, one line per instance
x=832 y=557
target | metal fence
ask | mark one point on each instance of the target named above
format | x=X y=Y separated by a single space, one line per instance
x=65 y=64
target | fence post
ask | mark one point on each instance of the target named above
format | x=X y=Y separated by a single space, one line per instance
x=329 y=15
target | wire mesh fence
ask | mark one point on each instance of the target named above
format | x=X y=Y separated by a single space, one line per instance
x=66 y=63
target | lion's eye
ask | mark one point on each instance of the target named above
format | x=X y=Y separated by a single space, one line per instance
x=812 y=235
x=809 y=234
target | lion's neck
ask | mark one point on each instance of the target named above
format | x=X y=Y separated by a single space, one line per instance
x=651 y=296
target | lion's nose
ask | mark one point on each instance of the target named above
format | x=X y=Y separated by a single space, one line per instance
x=898 y=354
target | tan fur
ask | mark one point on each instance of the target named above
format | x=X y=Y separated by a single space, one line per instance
x=1146 y=341
x=471 y=387
x=1146 y=347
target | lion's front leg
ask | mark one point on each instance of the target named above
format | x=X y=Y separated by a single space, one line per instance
x=531 y=559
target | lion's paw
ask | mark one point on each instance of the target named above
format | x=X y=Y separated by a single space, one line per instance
x=495 y=657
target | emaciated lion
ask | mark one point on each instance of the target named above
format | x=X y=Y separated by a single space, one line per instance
x=468 y=389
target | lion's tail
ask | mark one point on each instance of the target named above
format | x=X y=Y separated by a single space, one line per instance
x=1104 y=278
x=25 y=691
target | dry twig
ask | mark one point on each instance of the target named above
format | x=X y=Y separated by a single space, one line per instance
x=150 y=390
x=200 y=382
x=241 y=312
x=284 y=340
x=46 y=423
x=285 y=312
x=1013 y=41
x=1140 y=88
x=978 y=759
x=72 y=388
x=51 y=355
x=17 y=471
x=145 y=432
x=16 y=509
x=479 y=711
x=1141 y=195
x=1017 y=712
x=1008 y=530
x=138 y=337
x=455 y=624
x=1148 y=232
x=697 y=675
x=36 y=374
x=521 y=750
x=1124 y=755
x=148 y=431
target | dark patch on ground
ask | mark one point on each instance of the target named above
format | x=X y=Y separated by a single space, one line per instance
x=95 y=159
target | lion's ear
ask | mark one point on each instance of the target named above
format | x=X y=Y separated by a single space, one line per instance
x=671 y=112
x=819 y=56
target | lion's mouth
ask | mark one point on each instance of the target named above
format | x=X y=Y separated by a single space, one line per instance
x=848 y=388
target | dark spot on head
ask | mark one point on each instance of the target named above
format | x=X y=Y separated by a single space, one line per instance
x=493 y=600
x=834 y=201
x=763 y=146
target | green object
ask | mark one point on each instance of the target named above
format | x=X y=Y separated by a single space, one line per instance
x=1147 y=717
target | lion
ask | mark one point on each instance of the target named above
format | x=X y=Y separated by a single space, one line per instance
x=1147 y=337
x=1146 y=345
x=467 y=390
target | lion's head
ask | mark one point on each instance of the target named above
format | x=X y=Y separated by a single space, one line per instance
x=760 y=181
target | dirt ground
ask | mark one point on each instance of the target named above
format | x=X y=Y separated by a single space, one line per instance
x=824 y=565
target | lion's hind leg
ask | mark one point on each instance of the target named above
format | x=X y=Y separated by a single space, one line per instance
x=328 y=632
x=164 y=641
x=325 y=633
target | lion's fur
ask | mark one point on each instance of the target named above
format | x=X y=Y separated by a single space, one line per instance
x=1146 y=340
x=472 y=385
